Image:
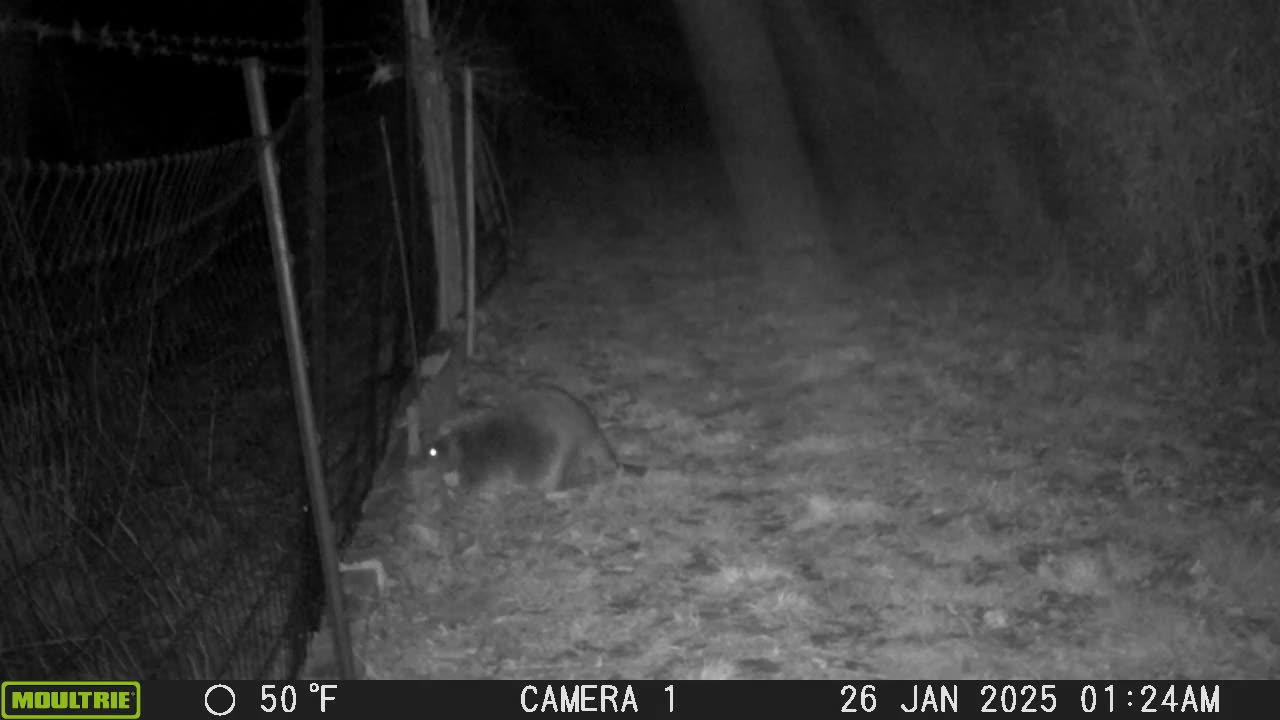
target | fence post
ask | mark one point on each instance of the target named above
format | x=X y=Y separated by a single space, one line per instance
x=269 y=174
x=400 y=243
x=469 y=144
x=316 y=206
x=434 y=125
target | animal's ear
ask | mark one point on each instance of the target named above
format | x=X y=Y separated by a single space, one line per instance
x=447 y=427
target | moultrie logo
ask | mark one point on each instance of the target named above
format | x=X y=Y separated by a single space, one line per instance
x=69 y=700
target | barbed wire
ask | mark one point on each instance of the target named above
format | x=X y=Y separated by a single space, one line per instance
x=105 y=36
x=217 y=50
x=230 y=51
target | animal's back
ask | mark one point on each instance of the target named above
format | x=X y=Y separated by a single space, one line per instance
x=567 y=418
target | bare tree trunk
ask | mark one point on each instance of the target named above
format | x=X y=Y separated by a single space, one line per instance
x=759 y=141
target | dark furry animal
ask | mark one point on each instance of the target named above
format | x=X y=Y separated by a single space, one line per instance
x=544 y=438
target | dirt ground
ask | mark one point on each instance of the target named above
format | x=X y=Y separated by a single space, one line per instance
x=929 y=477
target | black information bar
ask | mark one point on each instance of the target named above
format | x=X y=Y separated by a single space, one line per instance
x=305 y=700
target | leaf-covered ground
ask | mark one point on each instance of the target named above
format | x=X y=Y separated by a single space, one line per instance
x=928 y=477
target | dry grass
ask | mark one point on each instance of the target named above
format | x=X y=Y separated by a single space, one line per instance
x=901 y=486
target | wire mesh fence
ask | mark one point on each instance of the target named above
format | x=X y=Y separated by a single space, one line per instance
x=153 y=518
x=135 y=308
